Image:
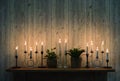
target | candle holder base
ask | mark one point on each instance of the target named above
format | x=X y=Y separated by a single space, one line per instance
x=41 y=66
x=16 y=67
x=107 y=67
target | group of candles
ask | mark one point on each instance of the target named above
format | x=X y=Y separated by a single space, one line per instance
x=102 y=49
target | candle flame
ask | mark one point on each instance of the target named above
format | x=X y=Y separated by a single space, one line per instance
x=16 y=47
x=65 y=40
x=91 y=42
x=97 y=49
x=36 y=43
x=42 y=43
x=107 y=50
x=25 y=43
x=87 y=45
x=102 y=42
x=30 y=48
x=59 y=40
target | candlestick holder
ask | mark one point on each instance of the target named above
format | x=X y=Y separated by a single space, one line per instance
x=65 y=60
x=87 y=62
x=30 y=62
x=25 y=58
x=97 y=62
x=102 y=62
x=16 y=62
x=41 y=66
x=36 y=53
x=107 y=64
x=60 y=61
x=92 y=58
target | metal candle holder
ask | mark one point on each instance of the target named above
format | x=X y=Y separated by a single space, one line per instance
x=16 y=62
x=102 y=52
x=91 y=57
x=107 y=62
x=87 y=63
x=41 y=66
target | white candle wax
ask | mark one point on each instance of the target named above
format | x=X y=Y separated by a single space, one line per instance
x=65 y=46
x=41 y=46
x=16 y=50
x=36 y=46
x=59 y=45
x=107 y=53
x=25 y=46
x=87 y=49
x=91 y=45
x=102 y=46
x=97 y=52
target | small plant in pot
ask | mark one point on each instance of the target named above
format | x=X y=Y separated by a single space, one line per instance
x=51 y=58
x=75 y=57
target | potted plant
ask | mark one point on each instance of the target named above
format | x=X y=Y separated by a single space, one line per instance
x=75 y=57
x=51 y=58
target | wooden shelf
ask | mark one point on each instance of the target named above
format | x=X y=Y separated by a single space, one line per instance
x=60 y=70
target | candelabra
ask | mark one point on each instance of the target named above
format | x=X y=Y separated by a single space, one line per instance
x=91 y=57
x=16 y=62
x=87 y=63
x=60 y=61
x=25 y=59
x=36 y=53
x=107 y=64
x=30 y=62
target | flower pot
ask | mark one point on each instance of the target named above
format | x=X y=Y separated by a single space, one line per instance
x=51 y=63
x=76 y=62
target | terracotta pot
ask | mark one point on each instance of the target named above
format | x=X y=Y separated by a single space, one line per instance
x=76 y=62
x=51 y=63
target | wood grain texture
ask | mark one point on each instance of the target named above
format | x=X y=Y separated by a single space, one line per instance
x=78 y=21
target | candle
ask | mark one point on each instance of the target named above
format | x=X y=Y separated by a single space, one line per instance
x=16 y=50
x=30 y=52
x=91 y=45
x=102 y=46
x=107 y=52
x=65 y=46
x=87 y=48
x=59 y=45
x=97 y=52
x=36 y=45
x=25 y=46
x=42 y=46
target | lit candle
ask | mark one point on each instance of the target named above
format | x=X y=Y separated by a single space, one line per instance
x=30 y=52
x=36 y=45
x=87 y=48
x=102 y=46
x=65 y=46
x=25 y=46
x=91 y=45
x=42 y=46
x=59 y=45
x=107 y=52
x=16 y=50
x=97 y=52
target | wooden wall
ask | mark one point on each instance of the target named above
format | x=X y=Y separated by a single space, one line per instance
x=79 y=21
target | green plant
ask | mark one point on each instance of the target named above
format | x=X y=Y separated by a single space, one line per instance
x=51 y=54
x=76 y=52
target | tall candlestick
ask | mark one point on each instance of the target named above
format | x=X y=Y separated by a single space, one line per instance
x=87 y=49
x=102 y=46
x=107 y=54
x=59 y=61
x=65 y=57
x=41 y=46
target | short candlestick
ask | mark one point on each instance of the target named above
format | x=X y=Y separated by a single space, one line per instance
x=87 y=63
